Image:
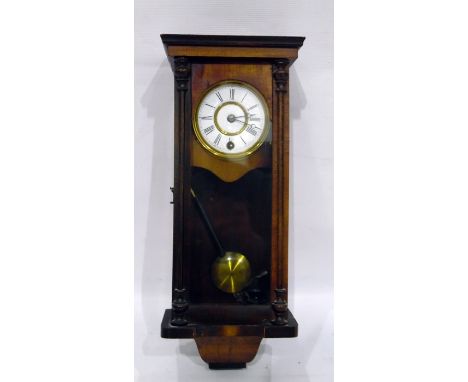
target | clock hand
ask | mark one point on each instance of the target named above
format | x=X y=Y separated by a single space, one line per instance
x=248 y=124
x=243 y=116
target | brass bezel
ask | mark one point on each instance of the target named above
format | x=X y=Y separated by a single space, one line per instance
x=247 y=152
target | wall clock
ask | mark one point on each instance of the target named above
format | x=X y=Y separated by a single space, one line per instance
x=230 y=234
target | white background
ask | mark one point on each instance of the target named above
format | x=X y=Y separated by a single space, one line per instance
x=66 y=191
x=311 y=192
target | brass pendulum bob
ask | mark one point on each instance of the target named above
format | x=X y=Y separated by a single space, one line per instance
x=230 y=271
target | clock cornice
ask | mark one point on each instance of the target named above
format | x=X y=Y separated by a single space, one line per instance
x=233 y=40
x=232 y=47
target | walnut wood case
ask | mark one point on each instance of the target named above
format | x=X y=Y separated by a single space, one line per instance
x=246 y=199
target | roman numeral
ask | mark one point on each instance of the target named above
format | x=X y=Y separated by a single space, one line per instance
x=252 y=107
x=208 y=129
x=218 y=94
x=207 y=118
x=217 y=139
x=231 y=94
x=207 y=104
x=251 y=130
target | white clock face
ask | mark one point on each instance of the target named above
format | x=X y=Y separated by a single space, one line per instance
x=232 y=119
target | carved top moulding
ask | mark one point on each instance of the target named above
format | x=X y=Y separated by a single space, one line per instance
x=242 y=47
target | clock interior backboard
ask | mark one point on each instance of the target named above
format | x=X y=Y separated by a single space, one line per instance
x=236 y=194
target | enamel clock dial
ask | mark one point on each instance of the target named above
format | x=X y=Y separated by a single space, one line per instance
x=231 y=120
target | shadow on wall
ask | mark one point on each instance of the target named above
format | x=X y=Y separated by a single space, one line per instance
x=157 y=263
x=297 y=96
x=297 y=102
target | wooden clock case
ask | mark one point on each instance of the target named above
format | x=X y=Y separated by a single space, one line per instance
x=228 y=333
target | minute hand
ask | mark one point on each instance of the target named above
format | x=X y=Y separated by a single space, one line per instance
x=249 y=124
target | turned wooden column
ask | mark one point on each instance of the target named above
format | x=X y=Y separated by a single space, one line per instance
x=182 y=128
x=280 y=192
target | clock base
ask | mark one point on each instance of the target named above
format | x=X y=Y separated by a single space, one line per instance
x=227 y=338
x=227 y=352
